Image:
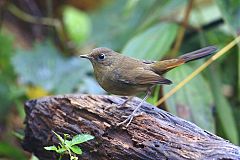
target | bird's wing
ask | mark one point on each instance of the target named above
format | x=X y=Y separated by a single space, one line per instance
x=149 y=77
x=141 y=76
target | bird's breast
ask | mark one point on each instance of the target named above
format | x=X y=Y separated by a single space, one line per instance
x=110 y=82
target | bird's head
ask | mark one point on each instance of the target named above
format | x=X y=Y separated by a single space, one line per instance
x=102 y=57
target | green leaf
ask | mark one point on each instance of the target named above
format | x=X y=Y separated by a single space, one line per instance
x=5 y=99
x=51 y=148
x=5 y=53
x=68 y=143
x=193 y=101
x=9 y=151
x=77 y=24
x=224 y=110
x=161 y=9
x=7 y=76
x=61 y=150
x=80 y=138
x=152 y=44
x=113 y=24
x=76 y=149
x=45 y=66
x=230 y=10
x=56 y=149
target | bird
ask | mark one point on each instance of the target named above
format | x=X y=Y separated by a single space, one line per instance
x=126 y=76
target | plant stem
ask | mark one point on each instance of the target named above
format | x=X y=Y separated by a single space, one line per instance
x=182 y=29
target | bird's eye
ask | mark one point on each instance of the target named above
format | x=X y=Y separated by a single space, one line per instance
x=101 y=56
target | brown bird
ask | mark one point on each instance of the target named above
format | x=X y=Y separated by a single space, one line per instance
x=122 y=75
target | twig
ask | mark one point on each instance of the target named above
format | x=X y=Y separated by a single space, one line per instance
x=37 y=20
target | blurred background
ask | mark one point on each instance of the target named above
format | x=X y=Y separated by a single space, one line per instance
x=40 y=41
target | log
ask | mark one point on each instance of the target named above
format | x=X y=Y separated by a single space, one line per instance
x=155 y=134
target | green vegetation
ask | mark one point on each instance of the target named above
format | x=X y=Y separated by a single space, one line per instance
x=69 y=146
x=39 y=51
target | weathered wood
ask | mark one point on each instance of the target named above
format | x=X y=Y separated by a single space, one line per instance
x=155 y=134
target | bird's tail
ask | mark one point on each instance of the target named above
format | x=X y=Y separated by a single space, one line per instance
x=161 y=67
x=201 y=53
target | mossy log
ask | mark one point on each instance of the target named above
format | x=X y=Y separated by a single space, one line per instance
x=153 y=135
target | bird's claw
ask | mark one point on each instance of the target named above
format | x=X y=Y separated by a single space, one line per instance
x=129 y=119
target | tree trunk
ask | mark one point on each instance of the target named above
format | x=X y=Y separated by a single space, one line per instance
x=155 y=134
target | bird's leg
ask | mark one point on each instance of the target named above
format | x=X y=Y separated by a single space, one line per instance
x=133 y=114
x=120 y=105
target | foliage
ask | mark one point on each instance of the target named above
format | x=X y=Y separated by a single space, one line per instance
x=10 y=93
x=69 y=146
x=77 y=24
x=223 y=108
x=45 y=67
x=34 y=64
x=192 y=100
x=7 y=150
x=153 y=43
x=231 y=13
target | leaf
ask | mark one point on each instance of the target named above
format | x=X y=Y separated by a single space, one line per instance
x=68 y=143
x=77 y=24
x=43 y=66
x=90 y=86
x=76 y=149
x=230 y=10
x=152 y=44
x=61 y=150
x=7 y=76
x=9 y=151
x=113 y=24
x=54 y=148
x=224 y=110
x=51 y=148
x=161 y=9
x=80 y=138
x=5 y=54
x=192 y=102
x=5 y=99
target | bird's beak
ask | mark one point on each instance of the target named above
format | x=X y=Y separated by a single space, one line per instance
x=84 y=56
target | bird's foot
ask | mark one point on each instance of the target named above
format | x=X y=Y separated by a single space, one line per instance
x=129 y=119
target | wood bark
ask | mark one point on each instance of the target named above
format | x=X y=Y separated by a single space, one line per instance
x=153 y=135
